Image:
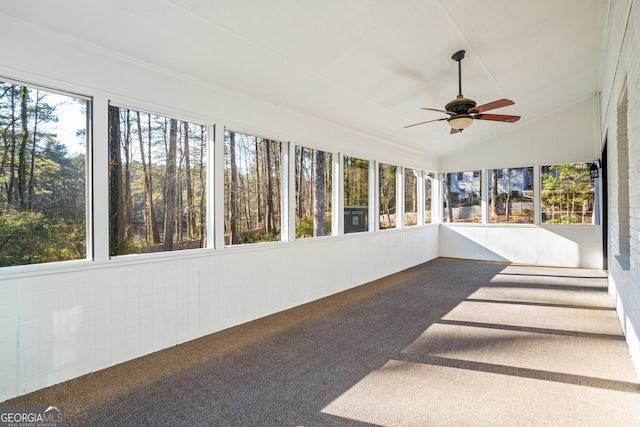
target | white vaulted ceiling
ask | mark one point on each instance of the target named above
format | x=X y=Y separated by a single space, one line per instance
x=368 y=65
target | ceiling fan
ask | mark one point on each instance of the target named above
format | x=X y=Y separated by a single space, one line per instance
x=463 y=111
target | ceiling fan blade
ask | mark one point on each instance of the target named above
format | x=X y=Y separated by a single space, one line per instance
x=491 y=105
x=428 y=121
x=497 y=117
x=451 y=113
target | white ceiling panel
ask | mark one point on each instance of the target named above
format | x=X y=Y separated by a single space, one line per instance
x=368 y=65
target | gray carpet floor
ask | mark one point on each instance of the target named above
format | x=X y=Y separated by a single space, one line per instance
x=446 y=343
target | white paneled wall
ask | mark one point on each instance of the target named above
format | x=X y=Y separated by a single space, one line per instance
x=67 y=322
x=552 y=245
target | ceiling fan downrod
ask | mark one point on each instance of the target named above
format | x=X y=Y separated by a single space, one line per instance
x=458 y=57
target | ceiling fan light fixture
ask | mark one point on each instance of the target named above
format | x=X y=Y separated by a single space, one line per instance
x=460 y=121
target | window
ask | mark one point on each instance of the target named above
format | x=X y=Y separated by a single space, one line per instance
x=313 y=193
x=157 y=183
x=428 y=181
x=43 y=172
x=511 y=195
x=387 y=191
x=567 y=194
x=252 y=189
x=461 y=191
x=410 y=197
x=356 y=194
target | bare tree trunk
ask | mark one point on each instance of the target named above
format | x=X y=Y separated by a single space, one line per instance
x=299 y=185
x=449 y=207
x=32 y=178
x=233 y=189
x=148 y=188
x=170 y=190
x=12 y=157
x=203 y=191
x=270 y=213
x=245 y=189
x=319 y=205
x=192 y=231
x=258 y=192
x=116 y=213
x=179 y=192
x=494 y=193
x=507 y=209
x=154 y=220
x=22 y=150
x=128 y=200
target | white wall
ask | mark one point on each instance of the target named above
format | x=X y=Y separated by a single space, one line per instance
x=564 y=136
x=552 y=245
x=622 y=69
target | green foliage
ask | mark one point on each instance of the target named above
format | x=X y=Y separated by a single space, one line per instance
x=42 y=185
x=249 y=237
x=29 y=237
x=566 y=189
x=356 y=181
x=304 y=226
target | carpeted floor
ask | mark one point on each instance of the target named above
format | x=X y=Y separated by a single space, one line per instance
x=446 y=343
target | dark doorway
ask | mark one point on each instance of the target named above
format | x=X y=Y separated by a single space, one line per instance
x=605 y=209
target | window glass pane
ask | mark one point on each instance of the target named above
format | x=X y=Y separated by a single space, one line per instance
x=313 y=193
x=356 y=194
x=157 y=183
x=461 y=192
x=567 y=192
x=428 y=181
x=43 y=168
x=252 y=189
x=410 y=197
x=387 y=183
x=511 y=195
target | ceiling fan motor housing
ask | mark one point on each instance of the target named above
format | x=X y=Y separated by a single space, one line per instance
x=460 y=105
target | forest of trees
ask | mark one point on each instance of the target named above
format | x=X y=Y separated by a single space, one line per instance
x=387 y=194
x=410 y=197
x=42 y=183
x=313 y=193
x=567 y=194
x=252 y=182
x=428 y=183
x=157 y=183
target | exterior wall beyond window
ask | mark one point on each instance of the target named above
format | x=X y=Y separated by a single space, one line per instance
x=462 y=197
x=511 y=196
